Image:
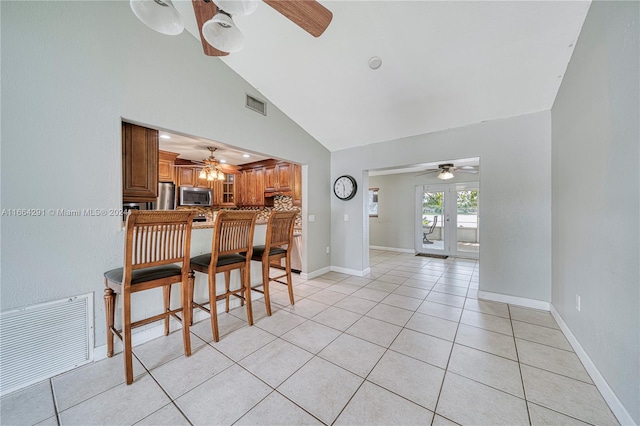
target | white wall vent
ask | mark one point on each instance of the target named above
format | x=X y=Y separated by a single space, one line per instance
x=40 y=341
x=256 y=105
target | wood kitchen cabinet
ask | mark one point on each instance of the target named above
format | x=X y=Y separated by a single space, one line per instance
x=189 y=176
x=139 y=164
x=297 y=185
x=185 y=176
x=278 y=177
x=251 y=187
x=263 y=180
x=166 y=163
x=224 y=191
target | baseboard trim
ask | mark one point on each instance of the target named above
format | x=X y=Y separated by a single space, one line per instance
x=400 y=250
x=514 y=300
x=316 y=273
x=609 y=396
x=351 y=271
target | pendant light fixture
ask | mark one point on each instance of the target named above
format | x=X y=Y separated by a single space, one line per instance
x=238 y=7
x=221 y=32
x=159 y=15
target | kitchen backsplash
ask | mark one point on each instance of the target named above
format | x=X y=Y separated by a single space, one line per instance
x=280 y=203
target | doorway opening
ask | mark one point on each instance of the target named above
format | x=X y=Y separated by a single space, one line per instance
x=447 y=219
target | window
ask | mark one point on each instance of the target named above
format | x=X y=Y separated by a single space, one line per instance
x=373 y=202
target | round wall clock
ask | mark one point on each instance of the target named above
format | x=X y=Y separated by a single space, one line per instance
x=345 y=187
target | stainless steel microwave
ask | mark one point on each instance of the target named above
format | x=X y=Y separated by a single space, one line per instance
x=192 y=196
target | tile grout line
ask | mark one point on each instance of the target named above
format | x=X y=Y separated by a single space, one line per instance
x=55 y=401
x=524 y=391
x=446 y=369
x=172 y=401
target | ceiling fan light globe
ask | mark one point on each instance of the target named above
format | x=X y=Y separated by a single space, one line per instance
x=160 y=16
x=445 y=175
x=222 y=33
x=238 y=7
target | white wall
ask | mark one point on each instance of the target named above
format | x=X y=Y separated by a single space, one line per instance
x=515 y=183
x=596 y=196
x=70 y=72
x=394 y=227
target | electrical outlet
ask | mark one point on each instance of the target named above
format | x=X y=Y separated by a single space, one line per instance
x=312 y=218
x=346 y=217
x=328 y=249
x=578 y=302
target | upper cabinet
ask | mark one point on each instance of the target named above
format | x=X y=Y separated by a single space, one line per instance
x=297 y=185
x=261 y=181
x=166 y=163
x=190 y=176
x=250 y=187
x=139 y=164
x=278 y=178
x=225 y=191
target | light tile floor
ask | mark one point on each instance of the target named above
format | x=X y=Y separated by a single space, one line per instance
x=408 y=344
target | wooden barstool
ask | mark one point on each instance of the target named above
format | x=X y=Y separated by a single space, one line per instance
x=156 y=254
x=277 y=246
x=231 y=248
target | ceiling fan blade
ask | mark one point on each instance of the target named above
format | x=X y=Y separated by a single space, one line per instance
x=309 y=15
x=205 y=11
x=467 y=169
x=229 y=169
x=426 y=172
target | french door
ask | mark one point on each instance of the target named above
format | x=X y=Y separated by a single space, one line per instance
x=447 y=219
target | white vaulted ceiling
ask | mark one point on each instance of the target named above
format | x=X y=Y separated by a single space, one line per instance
x=444 y=64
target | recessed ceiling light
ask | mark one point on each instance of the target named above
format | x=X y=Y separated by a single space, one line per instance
x=245 y=156
x=163 y=136
x=222 y=160
x=375 y=63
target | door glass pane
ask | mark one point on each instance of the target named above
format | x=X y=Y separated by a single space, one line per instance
x=467 y=210
x=432 y=220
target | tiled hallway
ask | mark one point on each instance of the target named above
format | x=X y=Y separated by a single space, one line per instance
x=409 y=344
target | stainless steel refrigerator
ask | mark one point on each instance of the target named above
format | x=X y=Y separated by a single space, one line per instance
x=166 y=196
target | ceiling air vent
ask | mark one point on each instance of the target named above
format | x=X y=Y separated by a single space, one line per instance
x=256 y=105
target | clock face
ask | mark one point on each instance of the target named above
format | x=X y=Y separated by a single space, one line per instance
x=345 y=187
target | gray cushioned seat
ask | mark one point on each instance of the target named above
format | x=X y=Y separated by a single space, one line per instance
x=228 y=259
x=144 y=275
x=259 y=250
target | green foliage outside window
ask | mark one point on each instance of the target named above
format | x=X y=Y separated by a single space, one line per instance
x=468 y=202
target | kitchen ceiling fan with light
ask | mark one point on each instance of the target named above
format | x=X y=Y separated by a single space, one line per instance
x=218 y=33
x=445 y=171
x=214 y=169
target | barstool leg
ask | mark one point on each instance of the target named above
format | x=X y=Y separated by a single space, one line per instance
x=213 y=307
x=246 y=282
x=227 y=284
x=166 y=297
x=186 y=313
x=287 y=263
x=265 y=283
x=190 y=284
x=126 y=337
x=110 y=312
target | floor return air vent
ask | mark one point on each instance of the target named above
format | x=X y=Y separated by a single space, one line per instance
x=40 y=341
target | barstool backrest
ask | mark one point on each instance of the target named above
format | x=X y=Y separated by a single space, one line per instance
x=233 y=233
x=280 y=229
x=155 y=238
